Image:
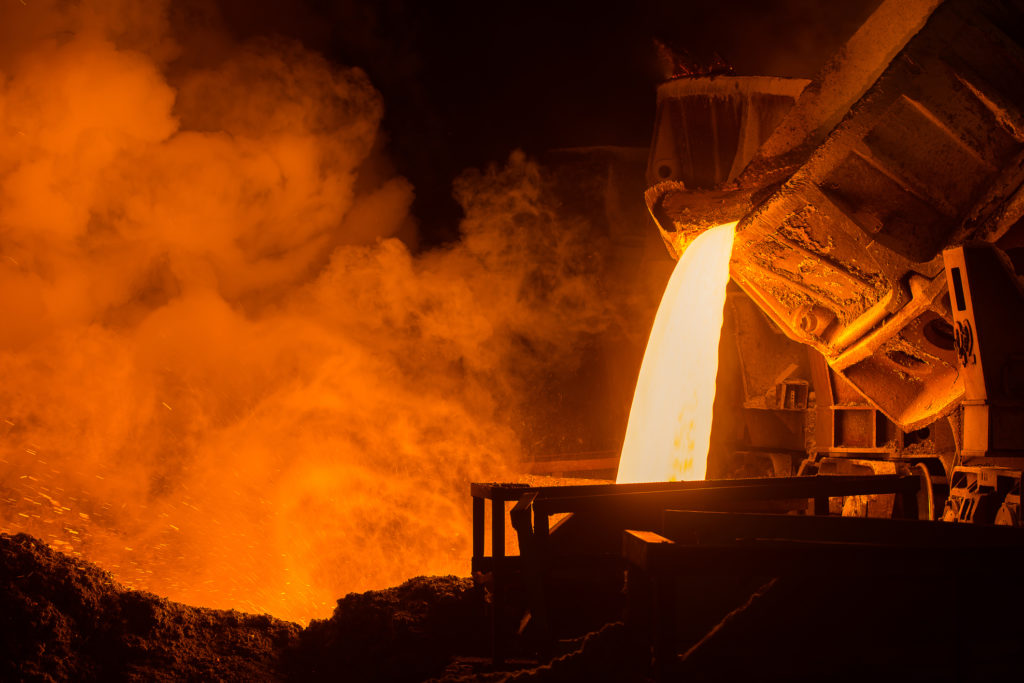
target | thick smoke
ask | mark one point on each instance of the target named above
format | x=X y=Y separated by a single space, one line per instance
x=226 y=377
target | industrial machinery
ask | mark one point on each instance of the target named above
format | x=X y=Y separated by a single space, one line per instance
x=871 y=365
x=877 y=313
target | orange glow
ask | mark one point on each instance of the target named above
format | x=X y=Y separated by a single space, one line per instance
x=669 y=427
x=227 y=378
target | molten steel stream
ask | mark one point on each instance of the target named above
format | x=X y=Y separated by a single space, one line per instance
x=669 y=427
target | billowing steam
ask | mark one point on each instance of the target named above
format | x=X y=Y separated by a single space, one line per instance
x=225 y=376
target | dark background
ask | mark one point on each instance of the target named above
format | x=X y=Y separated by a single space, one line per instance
x=464 y=83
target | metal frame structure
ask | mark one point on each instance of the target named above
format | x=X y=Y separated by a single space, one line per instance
x=586 y=540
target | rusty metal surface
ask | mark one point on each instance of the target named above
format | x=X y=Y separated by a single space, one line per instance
x=921 y=148
x=706 y=131
x=846 y=256
x=840 y=83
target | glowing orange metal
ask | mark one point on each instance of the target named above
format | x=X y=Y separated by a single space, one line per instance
x=669 y=427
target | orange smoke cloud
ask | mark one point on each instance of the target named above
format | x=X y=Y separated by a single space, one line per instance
x=226 y=378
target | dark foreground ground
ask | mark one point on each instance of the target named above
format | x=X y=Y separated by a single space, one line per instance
x=67 y=620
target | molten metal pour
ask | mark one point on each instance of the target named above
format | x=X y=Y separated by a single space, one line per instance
x=669 y=429
x=880 y=254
